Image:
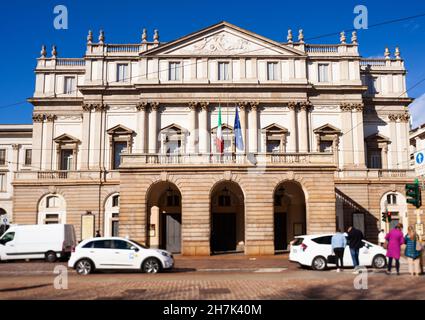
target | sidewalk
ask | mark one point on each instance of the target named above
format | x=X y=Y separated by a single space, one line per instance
x=229 y=262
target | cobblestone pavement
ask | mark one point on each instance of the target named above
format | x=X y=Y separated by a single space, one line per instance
x=227 y=278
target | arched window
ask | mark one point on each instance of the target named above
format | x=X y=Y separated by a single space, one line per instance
x=112 y=211
x=52 y=209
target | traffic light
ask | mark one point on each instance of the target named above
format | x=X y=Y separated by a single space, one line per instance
x=384 y=217
x=413 y=194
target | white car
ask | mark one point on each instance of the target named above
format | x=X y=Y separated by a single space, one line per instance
x=313 y=251
x=118 y=253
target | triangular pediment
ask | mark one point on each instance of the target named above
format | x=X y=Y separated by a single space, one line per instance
x=327 y=129
x=120 y=130
x=377 y=137
x=66 y=138
x=224 y=126
x=274 y=128
x=175 y=128
x=224 y=39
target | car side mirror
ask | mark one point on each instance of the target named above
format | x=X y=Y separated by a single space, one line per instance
x=135 y=249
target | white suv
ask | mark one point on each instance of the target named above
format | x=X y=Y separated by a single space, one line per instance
x=313 y=251
x=118 y=253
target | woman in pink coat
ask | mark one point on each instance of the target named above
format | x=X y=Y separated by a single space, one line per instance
x=395 y=240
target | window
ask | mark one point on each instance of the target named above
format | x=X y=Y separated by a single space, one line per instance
x=323 y=240
x=323 y=72
x=122 y=245
x=174 y=71
x=2 y=157
x=51 y=218
x=52 y=202
x=277 y=200
x=392 y=198
x=69 y=85
x=102 y=244
x=115 y=226
x=88 y=245
x=122 y=72
x=3 y=182
x=119 y=147
x=224 y=201
x=66 y=159
x=116 y=201
x=28 y=157
x=223 y=71
x=173 y=200
x=7 y=237
x=273 y=146
x=272 y=70
x=326 y=146
x=375 y=159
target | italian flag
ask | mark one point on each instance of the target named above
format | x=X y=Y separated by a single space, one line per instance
x=219 y=139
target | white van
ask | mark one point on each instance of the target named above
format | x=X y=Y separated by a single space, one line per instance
x=48 y=241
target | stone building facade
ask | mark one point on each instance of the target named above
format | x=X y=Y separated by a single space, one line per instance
x=128 y=134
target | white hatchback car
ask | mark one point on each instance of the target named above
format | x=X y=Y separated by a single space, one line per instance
x=313 y=250
x=118 y=253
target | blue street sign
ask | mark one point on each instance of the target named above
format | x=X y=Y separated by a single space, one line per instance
x=419 y=158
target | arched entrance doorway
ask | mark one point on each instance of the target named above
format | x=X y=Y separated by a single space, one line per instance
x=164 y=217
x=394 y=205
x=289 y=214
x=227 y=218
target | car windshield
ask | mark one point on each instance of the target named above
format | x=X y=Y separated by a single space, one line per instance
x=139 y=244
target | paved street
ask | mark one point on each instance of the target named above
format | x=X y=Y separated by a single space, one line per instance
x=219 y=277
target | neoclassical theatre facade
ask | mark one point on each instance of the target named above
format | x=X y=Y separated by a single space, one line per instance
x=127 y=135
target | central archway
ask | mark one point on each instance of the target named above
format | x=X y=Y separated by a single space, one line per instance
x=289 y=214
x=164 y=217
x=227 y=218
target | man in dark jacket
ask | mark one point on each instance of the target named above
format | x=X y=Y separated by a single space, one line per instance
x=355 y=242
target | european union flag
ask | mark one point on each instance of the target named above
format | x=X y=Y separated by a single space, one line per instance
x=238 y=132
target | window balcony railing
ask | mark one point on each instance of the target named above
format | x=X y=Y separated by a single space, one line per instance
x=258 y=159
x=49 y=175
x=375 y=174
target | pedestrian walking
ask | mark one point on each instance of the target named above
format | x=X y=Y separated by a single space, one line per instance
x=413 y=251
x=339 y=242
x=97 y=234
x=381 y=237
x=355 y=242
x=395 y=240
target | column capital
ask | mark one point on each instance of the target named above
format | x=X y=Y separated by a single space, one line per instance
x=87 y=107
x=346 y=107
x=16 y=146
x=154 y=105
x=98 y=107
x=38 y=117
x=393 y=117
x=142 y=106
x=254 y=105
x=358 y=107
x=204 y=105
x=305 y=105
x=193 y=105
x=51 y=117
x=292 y=105
x=404 y=117
x=243 y=105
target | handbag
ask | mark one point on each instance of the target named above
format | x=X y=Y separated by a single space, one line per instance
x=386 y=245
x=332 y=259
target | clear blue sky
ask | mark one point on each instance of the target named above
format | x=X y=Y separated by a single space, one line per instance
x=26 y=25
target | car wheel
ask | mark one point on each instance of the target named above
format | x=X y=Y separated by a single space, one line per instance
x=379 y=261
x=51 y=256
x=151 y=265
x=319 y=263
x=84 y=267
